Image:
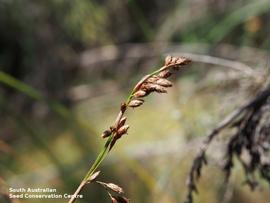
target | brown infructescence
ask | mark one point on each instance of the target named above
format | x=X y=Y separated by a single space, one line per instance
x=154 y=82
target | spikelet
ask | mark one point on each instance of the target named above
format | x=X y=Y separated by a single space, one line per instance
x=136 y=103
x=118 y=199
x=122 y=122
x=176 y=61
x=152 y=79
x=113 y=187
x=163 y=82
x=165 y=74
x=106 y=133
x=121 y=131
x=150 y=87
x=140 y=93
x=93 y=177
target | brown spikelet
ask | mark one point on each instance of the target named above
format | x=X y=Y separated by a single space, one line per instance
x=122 y=122
x=123 y=107
x=154 y=87
x=152 y=79
x=121 y=131
x=168 y=60
x=136 y=103
x=176 y=61
x=160 y=89
x=113 y=187
x=165 y=74
x=164 y=82
x=140 y=93
x=93 y=177
x=118 y=199
x=106 y=133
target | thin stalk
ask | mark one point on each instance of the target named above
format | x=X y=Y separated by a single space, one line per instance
x=103 y=153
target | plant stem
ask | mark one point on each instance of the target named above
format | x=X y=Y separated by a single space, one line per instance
x=103 y=153
x=91 y=171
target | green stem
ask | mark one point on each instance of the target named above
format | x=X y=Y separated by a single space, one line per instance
x=101 y=156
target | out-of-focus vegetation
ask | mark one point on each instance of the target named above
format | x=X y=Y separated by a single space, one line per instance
x=66 y=65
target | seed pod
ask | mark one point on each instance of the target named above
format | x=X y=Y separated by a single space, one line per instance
x=164 y=82
x=106 y=133
x=140 y=93
x=135 y=103
x=122 y=122
x=164 y=74
x=123 y=130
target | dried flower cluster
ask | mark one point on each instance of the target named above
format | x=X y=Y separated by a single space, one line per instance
x=252 y=136
x=154 y=82
x=157 y=82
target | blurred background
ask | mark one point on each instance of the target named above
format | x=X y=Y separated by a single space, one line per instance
x=65 y=66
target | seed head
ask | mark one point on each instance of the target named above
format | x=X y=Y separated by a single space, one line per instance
x=135 y=103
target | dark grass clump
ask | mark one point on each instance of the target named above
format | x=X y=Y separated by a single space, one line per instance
x=250 y=144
